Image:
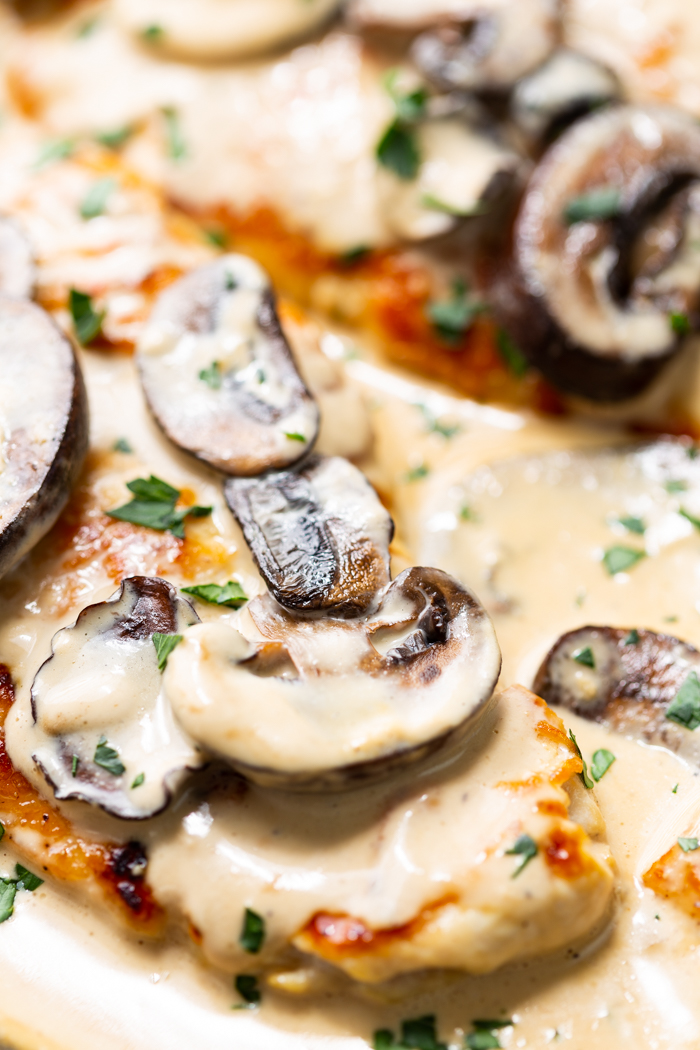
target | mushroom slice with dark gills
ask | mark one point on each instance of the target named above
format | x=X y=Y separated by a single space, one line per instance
x=568 y=86
x=320 y=536
x=636 y=682
x=606 y=253
x=330 y=704
x=218 y=373
x=16 y=261
x=103 y=732
x=43 y=426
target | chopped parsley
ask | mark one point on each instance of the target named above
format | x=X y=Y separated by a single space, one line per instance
x=433 y=203
x=586 y=780
x=115 y=138
x=152 y=34
x=524 y=847
x=138 y=781
x=177 y=148
x=56 y=149
x=418 y=1033
x=108 y=758
x=511 y=354
x=154 y=507
x=293 y=435
x=680 y=323
x=598 y=204
x=164 y=645
x=633 y=525
x=87 y=28
x=601 y=762
x=693 y=521
x=675 y=485
x=8 y=891
x=27 y=879
x=584 y=657
x=122 y=445
x=252 y=932
x=398 y=151
x=75 y=762
x=484 y=1035
x=218 y=238
x=452 y=317
x=692 y=452
x=95 y=200
x=417 y=473
x=246 y=984
x=230 y=594
x=632 y=638
x=2 y=832
x=674 y=789
x=685 y=708
x=354 y=255
x=212 y=375
x=619 y=559
x=688 y=845
x=410 y=105
x=87 y=322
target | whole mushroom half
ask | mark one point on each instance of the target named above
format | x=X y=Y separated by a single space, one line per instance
x=210 y=29
x=320 y=536
x=16 y=261
x=330 y=704
x=43 y=426
x=219 y=375
x=639 y=683
x=103 y=732
x=606 y=254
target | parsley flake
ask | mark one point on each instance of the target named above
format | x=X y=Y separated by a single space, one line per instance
x=693 y=521
x=122 y=445
x=526 y=848
x=633 y=525
x=688 y=845
x=56 y=149
x=87 y=322
x=674 y=789
x=619 y=559
x=685 y=708
x=138 y=781
x=632 y=638
x=584 y=657
x=212 y=375
x=511 y=354
x=108 y=758
x=293 y=435
x=417 y=473
x=164 y=645
x=452 y=317
x=218 y=238
x=398 y=151
x=74 y=766
x=115 y=138
x=587 y=782
x=230 y=594
x=177 y=148
x=154 y=507
x=410 y=105
x=96 y=198
x=482 y=1039
x=601 y=762
x=2 y=832
x=27 y=879
x=152 y=34
x=599 y=204
x=680 y=323
x=252 y=932
x=418 y=1032
x=354 y=255
x=676 y=485
x=8 y=891
x=246 y=984
x=433 y=203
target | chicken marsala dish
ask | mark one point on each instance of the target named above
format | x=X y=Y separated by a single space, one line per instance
x=349 y=524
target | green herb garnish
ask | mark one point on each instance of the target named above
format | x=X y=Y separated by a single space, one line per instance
x=96 y=198
x=688 y=845
x=246 y=985
x=680 y=324
x=526 y=848
x=633 y=525
x=164 y=645
x=586 y=780
x=138 y=781
x=598 y=204
x=122 y=445
x=695 y=522
x=584 y=657
x=685 y=708
x=212 y=375
x=619 y=559
x=601 y=762
x=230 y=594
x=154 y=507
x=452 y=317
x=56 y=149
x=108 y=758
x=87 y=322
x=116 y=138
x=433 y=203
x=418 y=1032
x=354 y=255
x=177 y=148
x=293 y=435
x=8 y=891
x=417 y=473
x=252 y=932
x=674 y=789
x=676 y=486
x=74 y=766
x=632 y=638
x=27 y=879
x=218 y=238
x=152 y=34
x=398 y=151
x=511 y=354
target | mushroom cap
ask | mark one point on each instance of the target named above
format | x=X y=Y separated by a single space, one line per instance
x=219 y=375
x=44 y=422
x=586 y=301
x=330 y=704
x=320 y=535
x=101 y=689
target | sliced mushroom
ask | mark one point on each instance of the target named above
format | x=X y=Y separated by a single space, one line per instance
x=103 y=732
x=329 y=704
x=219 y=375
x=566 y=87
x=43 y=426
x=16 y=261
x=628 y=680
x=210 y=29
x=607 y=252
x=320 y=536
x=463 y=174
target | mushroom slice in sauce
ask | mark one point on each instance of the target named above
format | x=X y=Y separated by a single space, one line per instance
x=103 y=732
x=636 y=682
x=566 y=87
x=43 y=426
x=210 y=29
x=320 y=536
x=219 y=375
x=606 y=252
x=329 y=704
x=16 y=261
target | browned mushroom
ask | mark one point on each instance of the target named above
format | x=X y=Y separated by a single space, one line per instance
x=636 y=682
x=16 y=261
x=103 y=732
x=318 y=704
x=320 y=536
x=43 y=426
x=606 y=252
x=218 y=373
